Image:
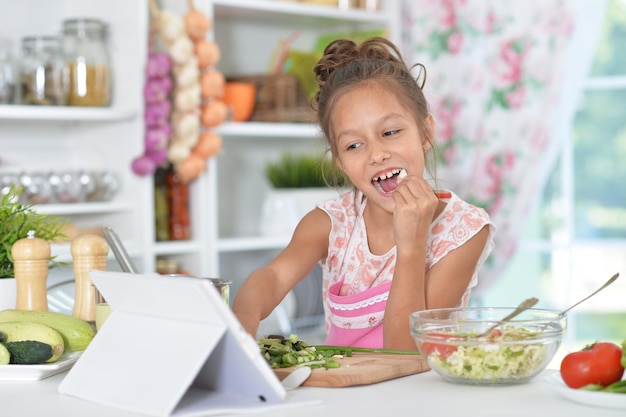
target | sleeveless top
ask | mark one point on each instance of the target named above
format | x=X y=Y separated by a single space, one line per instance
x=356 y=282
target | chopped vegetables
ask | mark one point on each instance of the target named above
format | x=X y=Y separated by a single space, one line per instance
x=287 y=352
x=493 y=360
x=284 y=353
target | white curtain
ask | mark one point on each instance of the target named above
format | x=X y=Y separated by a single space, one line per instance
x=503 y=81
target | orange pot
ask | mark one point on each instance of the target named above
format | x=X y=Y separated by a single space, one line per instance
x=240 y=97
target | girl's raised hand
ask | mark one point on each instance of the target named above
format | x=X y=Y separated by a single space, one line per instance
x=415 y=204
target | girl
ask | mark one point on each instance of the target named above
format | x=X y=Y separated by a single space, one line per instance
x=393 y=245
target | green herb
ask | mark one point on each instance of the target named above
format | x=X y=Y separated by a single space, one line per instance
x=302 y=171
x=16 y=219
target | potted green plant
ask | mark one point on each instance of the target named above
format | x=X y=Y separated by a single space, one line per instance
x=298 y=182
x=16 y=220
x=304 y=171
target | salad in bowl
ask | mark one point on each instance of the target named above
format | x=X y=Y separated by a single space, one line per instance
x=461 y=346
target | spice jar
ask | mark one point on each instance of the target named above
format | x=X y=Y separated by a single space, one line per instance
x=41 y=71
x=88 y=67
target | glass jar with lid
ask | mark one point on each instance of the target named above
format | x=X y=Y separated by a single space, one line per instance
x=88 y=67
x=41 y=71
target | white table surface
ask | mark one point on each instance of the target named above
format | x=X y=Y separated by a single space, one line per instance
x=424 y=394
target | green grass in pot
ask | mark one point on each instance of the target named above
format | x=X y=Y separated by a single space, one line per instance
x=16 y=219
x=304 y=171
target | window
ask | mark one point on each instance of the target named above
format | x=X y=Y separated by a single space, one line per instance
x=576 y=237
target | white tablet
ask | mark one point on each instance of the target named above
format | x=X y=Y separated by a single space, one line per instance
x=171 y=346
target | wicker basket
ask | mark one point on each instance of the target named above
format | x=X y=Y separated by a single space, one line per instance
x=279 y=98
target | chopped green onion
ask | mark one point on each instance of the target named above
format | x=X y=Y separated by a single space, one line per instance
x=348 y=350
x=287 y=352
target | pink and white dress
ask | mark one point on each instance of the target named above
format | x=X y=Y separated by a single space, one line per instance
x=356 y=282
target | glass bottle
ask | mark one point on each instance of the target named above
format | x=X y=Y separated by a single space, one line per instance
x=88 y=67
x=7 y=80
x=161 y=212
x=41 y=71
x=178 y=205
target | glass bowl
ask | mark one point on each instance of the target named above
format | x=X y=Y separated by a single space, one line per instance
x=513 y=353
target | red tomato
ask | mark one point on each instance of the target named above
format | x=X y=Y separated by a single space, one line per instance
x=598 y=364
x=443 y=349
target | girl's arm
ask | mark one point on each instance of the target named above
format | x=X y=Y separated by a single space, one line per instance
x=441 y=287
x=413 y=288
x=266 y=287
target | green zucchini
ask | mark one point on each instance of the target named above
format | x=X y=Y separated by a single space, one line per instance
x=5 y=356
x=27 y=331
x=77 y=333
x=29 y=352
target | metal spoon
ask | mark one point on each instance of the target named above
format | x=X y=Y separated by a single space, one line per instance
x=525 y=305
x=532 y=301
x=606 y=284
x=296 y=378
x=119 y=250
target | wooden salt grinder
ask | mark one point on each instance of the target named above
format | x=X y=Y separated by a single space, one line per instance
x=30 y=261
x=89 y=252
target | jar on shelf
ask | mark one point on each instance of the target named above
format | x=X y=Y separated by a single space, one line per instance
x=178 y=206
x=88 y=66
x=7 y=77
x=161 y=211
x=41 y=71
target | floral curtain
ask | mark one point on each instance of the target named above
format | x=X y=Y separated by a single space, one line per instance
x=494 y=74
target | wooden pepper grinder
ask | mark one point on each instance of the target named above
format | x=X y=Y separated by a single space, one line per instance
x=89 y=252
x=30 y=260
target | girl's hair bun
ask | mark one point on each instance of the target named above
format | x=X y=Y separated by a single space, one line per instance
x=337 y=54
x=342 y=52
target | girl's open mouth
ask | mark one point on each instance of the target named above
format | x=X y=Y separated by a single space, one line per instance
x=387 y=182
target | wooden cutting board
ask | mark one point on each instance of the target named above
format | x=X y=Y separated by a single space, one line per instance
x=362 y=369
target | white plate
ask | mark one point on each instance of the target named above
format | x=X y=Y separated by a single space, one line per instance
x=594 y=398
x=37 y=372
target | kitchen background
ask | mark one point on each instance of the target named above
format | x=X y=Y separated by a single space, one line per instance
x=573 y=239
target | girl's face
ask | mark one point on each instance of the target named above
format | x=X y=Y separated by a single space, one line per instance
x=377 y=137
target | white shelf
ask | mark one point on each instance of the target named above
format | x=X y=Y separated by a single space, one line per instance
x=299 y=14
x=269 y=130
x=83 y=208
x=246 y=244
x=177 y=247
x=64 y=114
x=63 y=253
